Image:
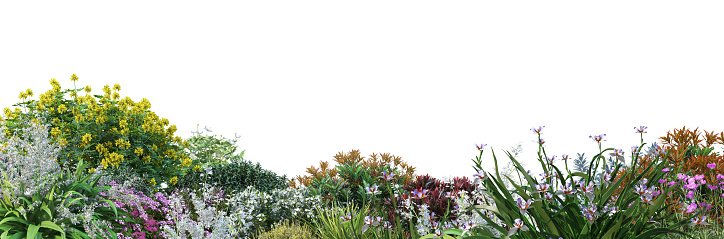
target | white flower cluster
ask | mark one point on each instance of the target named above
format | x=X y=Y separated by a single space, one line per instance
x=258 y=210
x=211 y=222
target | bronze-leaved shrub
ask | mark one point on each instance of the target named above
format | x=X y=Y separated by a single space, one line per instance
x=117 y=133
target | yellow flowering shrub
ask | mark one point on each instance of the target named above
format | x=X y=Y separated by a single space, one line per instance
x=107 y=130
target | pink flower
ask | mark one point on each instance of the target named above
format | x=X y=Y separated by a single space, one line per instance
x=662 y=180
x=690 y=194
x=666 y=170
x=681 y=176
x=711 y=165
x=712 y=187
x=691 y=207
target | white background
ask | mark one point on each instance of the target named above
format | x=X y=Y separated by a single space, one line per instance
x=300 y=81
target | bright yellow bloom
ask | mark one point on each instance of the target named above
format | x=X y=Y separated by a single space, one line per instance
x=113 y=159
x=152 y=181
x=186 y=162
x=138 y=151
x=123 y=123
x=55 y=132
x=146 y=158
x=7 y=112
x=174 y=180
x=90 y=170
x=123 y=143
x=29 y=92
x=22 y=95
x=73 y=77
x=74 y=94
x=117 y=87
x=155 y=148
x=55 y=83
x=62 y=108
x=62 y=141
x=197 y=167
x=116 y=96
x=107 y=91
x=87 y=89
x=86 y=138
x=171 y=130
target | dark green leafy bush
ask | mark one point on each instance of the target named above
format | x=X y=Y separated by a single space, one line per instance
x=234 y=176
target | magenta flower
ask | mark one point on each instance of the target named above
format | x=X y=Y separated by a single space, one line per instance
x=672 y=183
x=666 y=170
x=691 y=207
x=712 y=187
x=690 y=194
x=711 y=165
x=662 y=181
x=641 y=129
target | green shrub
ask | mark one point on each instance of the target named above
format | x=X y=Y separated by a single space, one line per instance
x=121 y=135
x=234 y=176
x=287 y=230
x=207 y=150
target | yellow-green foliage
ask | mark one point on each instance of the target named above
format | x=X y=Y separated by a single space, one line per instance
x=288 y=230
x=104 y=130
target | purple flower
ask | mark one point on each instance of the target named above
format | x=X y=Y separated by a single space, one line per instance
x=666 y=170
x=711 y=165
x=387 y=176
x=537 y=130
x=541 y=141
x=712 y=187
x=662 y=180
x=481 y=146
x=641 y=129
x=597 y=138
x=551 y=159
x=372 y=190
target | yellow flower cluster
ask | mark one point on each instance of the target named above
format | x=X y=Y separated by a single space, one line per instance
x=85 y=140
x=174 y=180
x=113 y=159
x=74 y=78
x=138 y=151
x=62 y=108
x=123 y=144
x=152 y=181
x=25 y=94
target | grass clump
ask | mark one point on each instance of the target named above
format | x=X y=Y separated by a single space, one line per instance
x=288 y=230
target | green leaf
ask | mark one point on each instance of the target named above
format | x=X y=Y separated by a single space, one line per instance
x=32 y=231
